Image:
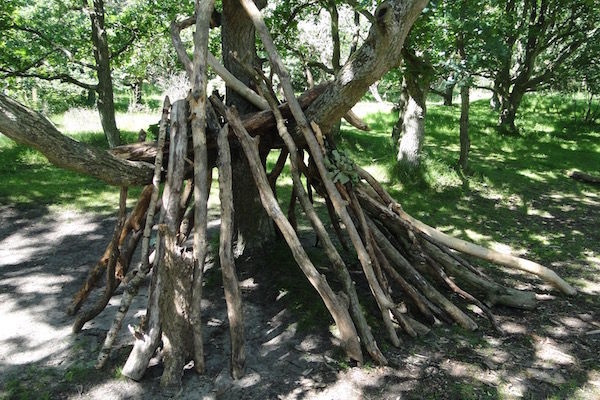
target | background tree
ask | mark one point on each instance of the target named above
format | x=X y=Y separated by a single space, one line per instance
x=529 y=41
x=79 y=43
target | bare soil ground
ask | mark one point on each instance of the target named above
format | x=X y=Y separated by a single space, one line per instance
x=552 y=352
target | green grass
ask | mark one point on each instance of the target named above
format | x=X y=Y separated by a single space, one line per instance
x=518 y=189
x=28 y=180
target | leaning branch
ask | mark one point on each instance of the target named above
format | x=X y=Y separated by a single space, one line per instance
x=33 y=129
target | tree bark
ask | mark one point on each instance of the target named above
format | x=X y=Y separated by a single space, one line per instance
x=449 y=95
x=252 y=225
x=402 y=105
x=508 y=112
x=419 y=73
x=106 y=106
x=33 y=129
x=175 y=269
x=380 y=52
x=198 y=103
x=413 y=134
x=233 y=295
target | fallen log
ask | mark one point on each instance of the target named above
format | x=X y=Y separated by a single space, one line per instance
x=583 y=177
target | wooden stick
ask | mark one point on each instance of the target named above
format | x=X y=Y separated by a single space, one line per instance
x=144 y=346
x=330 y=250
x=462 y=293
x=583 y=177
x=132 y=223
x=315 y=150
x=233 y=295
x=228 y=77
x=110 y=268
x=356 y=122
x=463 y=246
x=384 y=303
x=429 y=291
x=136 y=278
x=176 y=267
x=197 y=101
x=420 y=301
x=331 y=300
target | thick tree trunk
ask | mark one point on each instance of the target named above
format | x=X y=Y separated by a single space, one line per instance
x=106 y=106
x=413 y=134
x=380 y=52
x=252 y=225
x=419 y=73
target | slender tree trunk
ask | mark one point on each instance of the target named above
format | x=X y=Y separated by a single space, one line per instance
x=335 y=57
x=106 y=106
x=375 y=92
x=137 y=92
x=495 y=101
x=91 y=97
x=253 y=226
x=356 y=36
x=465 y=143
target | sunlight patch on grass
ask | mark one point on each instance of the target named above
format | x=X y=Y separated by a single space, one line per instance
x=532 y=175
x=79 y=120
x=363 y=108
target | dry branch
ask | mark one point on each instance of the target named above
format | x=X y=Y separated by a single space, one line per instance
x=340 y=314
x=583 y=177
x=110 y=268
x=231 y=286
x=135 y=278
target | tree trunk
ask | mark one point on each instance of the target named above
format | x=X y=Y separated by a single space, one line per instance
x=32 y=129
x=449 y=94
x=375 y=92
x=252 y=225
x=508 y=112
x=381 y=51
x=106 y=106
x=402 y=105
x=137 y=92
x=91 y=98
x=465 y=143
x=419 y=73
x=413 y=134
x=495 y=101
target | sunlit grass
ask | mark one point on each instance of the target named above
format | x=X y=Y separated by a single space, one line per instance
x=510 y=195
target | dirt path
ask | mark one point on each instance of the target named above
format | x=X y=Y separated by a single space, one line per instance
x=44 y=256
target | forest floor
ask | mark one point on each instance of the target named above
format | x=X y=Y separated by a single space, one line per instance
x=518 y=199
